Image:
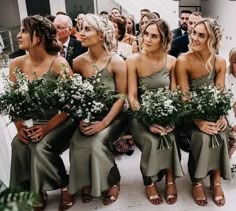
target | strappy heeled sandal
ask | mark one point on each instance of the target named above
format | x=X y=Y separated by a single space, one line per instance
x=111 y=195
x=67 y=200
x=171 y=196
x=41 y=203
x=199 y=200
x=153 y=198
x=86 y=194
x=218 y=199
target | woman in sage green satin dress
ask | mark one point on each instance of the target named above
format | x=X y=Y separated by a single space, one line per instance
x=93 y=169
x=37 y=166
x=154 y=68
x=201 y=65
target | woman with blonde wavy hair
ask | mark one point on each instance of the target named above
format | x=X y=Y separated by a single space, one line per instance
x=93 y=168
x=201 y=65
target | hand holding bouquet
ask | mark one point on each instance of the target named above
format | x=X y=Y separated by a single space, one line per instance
x=77 y=97
x=211 y=104
x=161 y=107
x=22 y=99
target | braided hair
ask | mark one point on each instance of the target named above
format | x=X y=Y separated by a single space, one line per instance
x=215 y=33
x=45 y=30
x=103 y=25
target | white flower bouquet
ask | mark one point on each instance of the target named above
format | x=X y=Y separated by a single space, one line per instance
x=22 y=99
x=210 y=103
x=77 y=97
x=163 y=107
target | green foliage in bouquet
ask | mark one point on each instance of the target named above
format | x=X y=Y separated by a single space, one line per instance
x=163 y=107
x=24 y=99
x=77 y=97
x=16 y=200
x=208 y=102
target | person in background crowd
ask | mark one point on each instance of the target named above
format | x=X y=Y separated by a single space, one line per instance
x=123 y=49
x=230 y=83
x=202 y=66
x=130 y=26
x=183 y=22
x=37 y=166
x=142 y=24
x=60 y=13
x=153 y=68
x=137 y=26
x=93 y=168
x=71 y=47
x=115 y=12
x=180 y=44
x=79 y=21
x=104 y=14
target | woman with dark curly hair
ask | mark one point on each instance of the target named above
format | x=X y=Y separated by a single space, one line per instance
x=36 y=165
x=153 y=68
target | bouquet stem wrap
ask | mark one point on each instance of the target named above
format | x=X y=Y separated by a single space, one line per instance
x=216 y=141
x=165 y=142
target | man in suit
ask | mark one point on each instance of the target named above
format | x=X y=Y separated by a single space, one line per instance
x=180 y=44
x=71 y=47
x=183 y=22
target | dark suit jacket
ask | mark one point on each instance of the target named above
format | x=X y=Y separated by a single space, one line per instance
x=74 y=49
x=177 y=32
x=179 y=45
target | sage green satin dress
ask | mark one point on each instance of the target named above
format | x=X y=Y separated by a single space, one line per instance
x=154 y=161
x=38 y=166
x=203 y=158
x=91 y=157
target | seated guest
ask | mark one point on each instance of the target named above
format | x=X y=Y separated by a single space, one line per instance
x=180 y=43
x=71 y=47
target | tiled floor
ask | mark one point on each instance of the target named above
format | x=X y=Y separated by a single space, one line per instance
x=132 y=195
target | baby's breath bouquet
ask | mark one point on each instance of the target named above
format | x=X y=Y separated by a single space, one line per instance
x=22 y=99
x=209 y=103
x=77 y=97
x=163 y=107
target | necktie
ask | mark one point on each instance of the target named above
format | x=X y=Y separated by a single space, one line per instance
x=62 y=51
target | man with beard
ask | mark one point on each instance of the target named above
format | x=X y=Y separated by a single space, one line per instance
x=183 y=22
x=180 y=44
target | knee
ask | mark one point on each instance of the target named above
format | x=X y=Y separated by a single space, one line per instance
x=200 y=139
x=16 y=143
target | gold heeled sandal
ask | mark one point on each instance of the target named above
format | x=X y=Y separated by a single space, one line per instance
x=171 y=198
x=153 y=198
x=199 y=200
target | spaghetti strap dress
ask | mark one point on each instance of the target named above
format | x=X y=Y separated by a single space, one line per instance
x=202 y=157
x=154 y=161
x=91 y=157
x=38 y=166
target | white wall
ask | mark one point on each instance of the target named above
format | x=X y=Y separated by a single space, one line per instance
x=59 y=5
x=224 y=12
x=168 y=9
